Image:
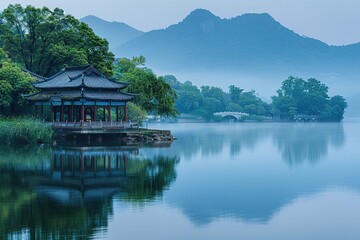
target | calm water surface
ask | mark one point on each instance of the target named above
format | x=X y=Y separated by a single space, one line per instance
x=217 y=181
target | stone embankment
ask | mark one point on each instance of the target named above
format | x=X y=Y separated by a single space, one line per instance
x=149 y=136
x=133 y=136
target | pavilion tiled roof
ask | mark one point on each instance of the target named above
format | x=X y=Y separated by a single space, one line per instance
x=74 y=95
x=75 y=77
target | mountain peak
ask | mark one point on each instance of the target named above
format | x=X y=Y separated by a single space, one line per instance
x=256 y=18
x=200 y=15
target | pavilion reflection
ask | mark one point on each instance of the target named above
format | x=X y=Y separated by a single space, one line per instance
x=80 y=174
x=72 y=194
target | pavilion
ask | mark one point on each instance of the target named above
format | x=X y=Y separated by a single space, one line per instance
x=80 y=94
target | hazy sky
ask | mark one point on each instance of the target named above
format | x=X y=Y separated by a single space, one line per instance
x=335 y=22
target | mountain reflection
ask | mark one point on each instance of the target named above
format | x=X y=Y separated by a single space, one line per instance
x=70 y=194
x=253 y=189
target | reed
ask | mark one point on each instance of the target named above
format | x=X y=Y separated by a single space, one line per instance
x=24 y=131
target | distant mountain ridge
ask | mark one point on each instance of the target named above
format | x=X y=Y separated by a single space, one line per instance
x=244 y=43
x=253 y=51
x=117 y=33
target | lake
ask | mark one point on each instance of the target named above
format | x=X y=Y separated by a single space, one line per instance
x=216 y=181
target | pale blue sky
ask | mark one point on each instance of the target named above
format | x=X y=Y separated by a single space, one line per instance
x=335 y=22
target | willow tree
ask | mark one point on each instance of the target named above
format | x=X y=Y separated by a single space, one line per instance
x=155 y=95
x=45 y=41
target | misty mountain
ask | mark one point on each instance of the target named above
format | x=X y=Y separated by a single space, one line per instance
x=247 y=43
x=117 y=33
x=252 y=51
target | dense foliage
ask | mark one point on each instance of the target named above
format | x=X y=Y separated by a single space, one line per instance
x=207 y=100
x=155 y=95
x=45 y=41
x=135 y=112
x=13 y=84
x=308 y=97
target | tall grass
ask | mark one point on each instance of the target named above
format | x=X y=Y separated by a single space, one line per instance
x=24 y=131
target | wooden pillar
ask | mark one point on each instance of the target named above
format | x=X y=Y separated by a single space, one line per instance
x=42 y=111
x=95 y=110
x=104 y=114
x=36 y=111
x=62 y=164
x=117 y=162
x=82 y=163
x=62 y=113
x=109 y=163
x=109 y=113
x=69 y=163
x=82 y=112
x=72 y=165
x=70 y=113
x=125 y=160
x=53 y=163
x=51 y=112
x=94 y=163
x=117 y=113
x=125 y=112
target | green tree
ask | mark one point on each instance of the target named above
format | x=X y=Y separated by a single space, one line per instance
x=292 y=87
x=234 y=107
x=45 y=41
x=3 y=57
x=135 y=112
x=284 y=106
x=14 y=83
x=310 y=97
x=5 y=95
x=155 y=95
x=235 y=93
x=189 y=98
x=335 y=109
x=213 y=92
x=173 y=82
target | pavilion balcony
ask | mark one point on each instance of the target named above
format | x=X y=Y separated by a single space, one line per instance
x=95 y=126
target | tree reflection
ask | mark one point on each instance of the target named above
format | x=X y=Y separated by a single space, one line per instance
x=296 y=142
x=71 y=196
x=147 y=179
x=299 y=143
x=211 y=141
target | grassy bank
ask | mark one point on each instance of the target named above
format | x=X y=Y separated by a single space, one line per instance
x=24 y=131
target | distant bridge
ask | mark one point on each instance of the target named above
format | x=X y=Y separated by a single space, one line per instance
x=237 y=115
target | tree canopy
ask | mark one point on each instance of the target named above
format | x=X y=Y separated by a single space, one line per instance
x=207 y=100
x=13 y=84
x=155 y=95
x=309 y=97
x=45 y=41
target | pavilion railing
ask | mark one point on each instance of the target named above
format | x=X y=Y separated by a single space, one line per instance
x=97 y=124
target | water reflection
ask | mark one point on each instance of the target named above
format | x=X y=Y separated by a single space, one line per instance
x=300 y=143
x=70 y=195
x=297 y=143
x=211 y=139
x=243 y=173
x=256 y=185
